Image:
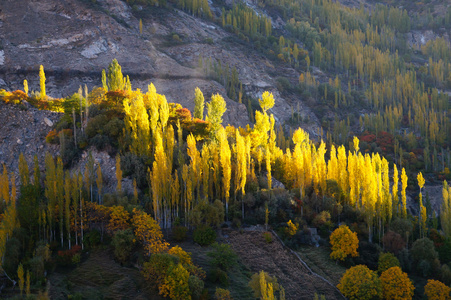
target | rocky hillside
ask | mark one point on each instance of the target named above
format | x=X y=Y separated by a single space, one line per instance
x=75 y=40
x=23 y=130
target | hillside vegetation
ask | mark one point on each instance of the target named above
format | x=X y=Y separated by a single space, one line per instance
x=172 y=178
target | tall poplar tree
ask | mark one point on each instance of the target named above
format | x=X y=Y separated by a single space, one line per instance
x=403 y=193
x=423 y=214
x=198 y=104
x=42 y=81
x=215 y=110
x=225 y=159
x=115 y=77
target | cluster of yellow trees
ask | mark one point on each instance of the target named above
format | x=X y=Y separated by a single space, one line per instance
x=220 y=166
x=361 y=283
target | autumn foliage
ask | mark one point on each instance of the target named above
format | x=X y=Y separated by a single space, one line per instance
x=396 y=285
x=148 y=232
x=435 y=290
x=344 y=243
x=360 y=283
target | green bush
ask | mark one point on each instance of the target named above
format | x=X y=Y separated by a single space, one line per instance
x=114 y=128
x=218 y=276
x=96 y=125
x=268 y=237
x=37 y=268
x=123 y=244
x=204 y=235
x=76 y=259
x=222 y=256
x=196 y=286
x=100 y=141
x=92 y=239
x=179 y=233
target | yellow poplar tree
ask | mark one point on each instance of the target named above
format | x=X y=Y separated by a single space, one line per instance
x=25 y=86
x=403 y=193
x=137 y=123
x=193 y=153
x=268 y=166
x=423 y=214
x=42 y=81
x=395 y=189
x=225 y=157
x=241 y=168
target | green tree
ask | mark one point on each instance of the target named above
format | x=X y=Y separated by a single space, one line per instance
x=424 y=255
x=222 y=256
x=104 y=81
x=198 y=104
x=115 y=77
x=386 y=261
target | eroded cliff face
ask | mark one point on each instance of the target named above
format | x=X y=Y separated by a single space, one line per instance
x=75 y=40
x=23 y=130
